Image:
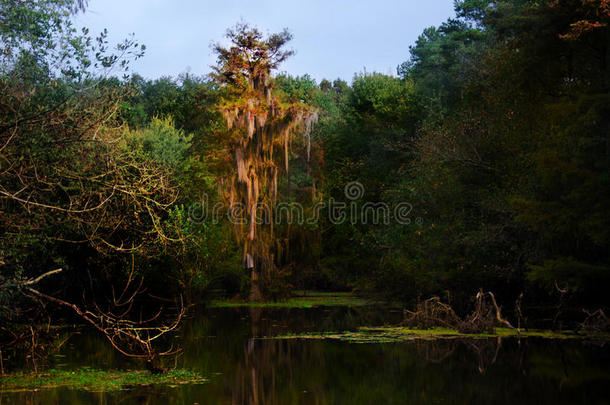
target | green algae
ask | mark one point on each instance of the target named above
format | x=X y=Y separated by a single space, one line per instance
x=402 y=334
x=311 y=300
x=95 y=380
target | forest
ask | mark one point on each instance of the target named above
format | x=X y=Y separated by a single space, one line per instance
x=475 y=178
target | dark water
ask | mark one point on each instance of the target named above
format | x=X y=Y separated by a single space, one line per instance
x=244 y=370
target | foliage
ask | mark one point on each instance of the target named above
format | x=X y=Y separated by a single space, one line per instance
x=160 y=142
x=511 y=150
x=76 y=199
x=370 y=144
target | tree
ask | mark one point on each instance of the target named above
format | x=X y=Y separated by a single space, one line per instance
x=442 y=60
x=259 y=125
x=369 y=143
x=78 y=191
x=507 y=172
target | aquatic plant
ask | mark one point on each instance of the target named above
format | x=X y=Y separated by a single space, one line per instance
x=95 y=380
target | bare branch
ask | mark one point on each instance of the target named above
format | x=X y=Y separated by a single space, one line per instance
x=41 y=277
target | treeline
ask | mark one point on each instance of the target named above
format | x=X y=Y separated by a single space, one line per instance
x=495 y=133
x=498 y=133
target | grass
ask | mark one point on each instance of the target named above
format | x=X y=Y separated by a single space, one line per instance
x=304 y=300
x=95 y=380
x=401 y=334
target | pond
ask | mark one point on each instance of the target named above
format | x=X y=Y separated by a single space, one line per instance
x=229 y=347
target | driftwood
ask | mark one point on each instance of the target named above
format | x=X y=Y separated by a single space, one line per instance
x=563 y=296
x=431 y=313
x=486 y=316
x=434 y=313
x=595 y=321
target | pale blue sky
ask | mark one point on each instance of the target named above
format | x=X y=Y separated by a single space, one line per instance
x=332 y=38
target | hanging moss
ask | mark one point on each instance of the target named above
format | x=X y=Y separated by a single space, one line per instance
x=257 y=122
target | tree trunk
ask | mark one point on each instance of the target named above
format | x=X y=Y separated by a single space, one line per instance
x=255 y=291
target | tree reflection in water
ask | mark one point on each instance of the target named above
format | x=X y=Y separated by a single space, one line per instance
x=245 y=369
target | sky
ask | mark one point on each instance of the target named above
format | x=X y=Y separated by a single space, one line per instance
x=332 y=38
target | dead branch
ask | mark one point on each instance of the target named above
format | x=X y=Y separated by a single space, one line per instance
x=433 y=313
x=39 y=278
x=430 y=313
x=519 y=312
x=131 y=338
x=595 y=321
x=485 y=317
x=499 y=312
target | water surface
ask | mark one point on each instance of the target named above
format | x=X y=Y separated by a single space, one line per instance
x=228 y=346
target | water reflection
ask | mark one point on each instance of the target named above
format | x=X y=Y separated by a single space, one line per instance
x=244 y=369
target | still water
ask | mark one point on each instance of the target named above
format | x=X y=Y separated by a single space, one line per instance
x=225 y=344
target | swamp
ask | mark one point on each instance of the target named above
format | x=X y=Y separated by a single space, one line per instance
x=241 y=355
x=240 y=223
